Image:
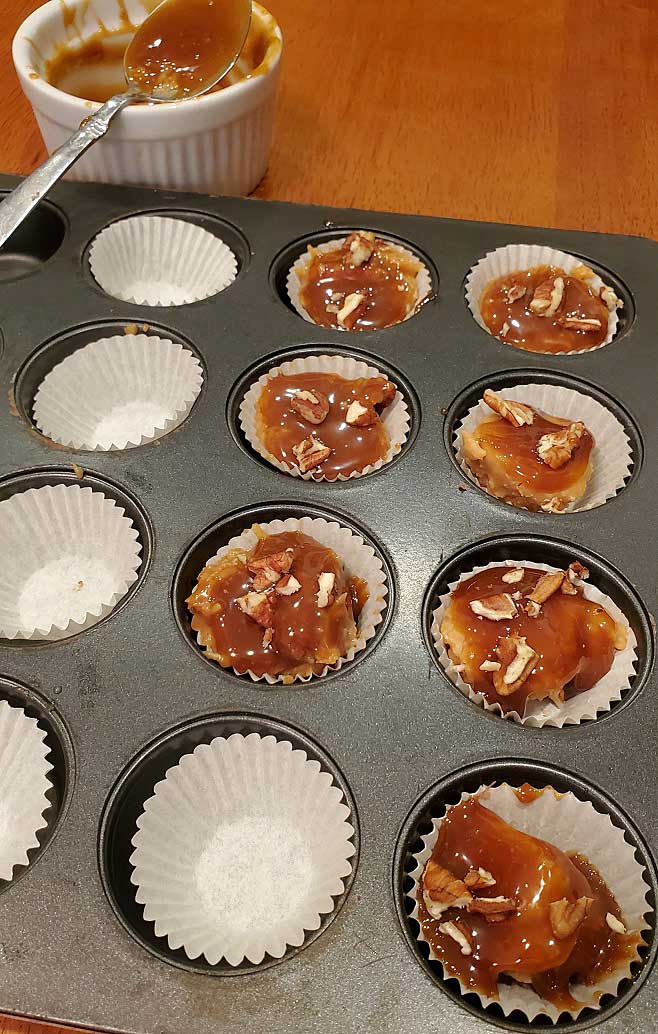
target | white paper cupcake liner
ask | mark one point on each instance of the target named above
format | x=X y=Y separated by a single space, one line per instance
x=241 y=850
x=584 y=706
x=611 y=456
x=24 y=784
x=395 y=417
x=157 y=260
x=68 y=556
x=574 y=826
x=515 y=257
x=360 y=561
x=118 y=393
x=293 y=281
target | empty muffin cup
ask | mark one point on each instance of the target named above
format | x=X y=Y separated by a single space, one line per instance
x=118 y=393
x=68 y=556
x=359 y=560
x=241 y=850
x=156 y=260
x=296 y=275
x=24 y=784
x=395 y=417
x=575 y=827
x=611 y=457
x=515 y=258
x=582 y=706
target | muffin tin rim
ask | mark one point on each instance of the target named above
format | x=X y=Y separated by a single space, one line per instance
x=267 y=725
x=583 y=788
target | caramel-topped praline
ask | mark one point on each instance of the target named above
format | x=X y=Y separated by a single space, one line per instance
x=573 y=318
x=365 y=284
x=281 y=424
x=574 y=639
x=516 y=463
x=286 y=607
x=543 y=891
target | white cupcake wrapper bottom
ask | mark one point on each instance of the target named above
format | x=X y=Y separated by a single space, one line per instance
x=241 y=850
x=298 y=269
x=395 y=417
x=157 y=260
x=539 y=713
x=512 y=258
x=611 y=457
x=68 y=556
x=573 y=826
x=360 y=561
x=24 y=784
x=118 y=393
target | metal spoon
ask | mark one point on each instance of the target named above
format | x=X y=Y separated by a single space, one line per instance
x=181 y=50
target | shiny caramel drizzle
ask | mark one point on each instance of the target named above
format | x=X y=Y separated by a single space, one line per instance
x=305 y=638
x=528 y=480
x=574 y=637
x=280 y=427
x=533 y=873
x=387 y=279
x=536 y=333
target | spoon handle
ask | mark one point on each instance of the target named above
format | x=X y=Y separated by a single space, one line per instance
x=18 y=205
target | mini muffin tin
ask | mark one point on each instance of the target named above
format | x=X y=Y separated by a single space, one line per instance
x=122 y=701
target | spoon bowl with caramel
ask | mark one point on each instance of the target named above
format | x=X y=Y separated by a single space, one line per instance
x=181 y=50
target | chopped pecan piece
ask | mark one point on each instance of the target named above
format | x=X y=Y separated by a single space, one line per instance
x=566 y=917
x=517 y=660
x=490 y=666
x=615 y=924
x=556 y=449
x=388 y=393
x=500 y=906
x=359 y=415
x=577 y=572
x=554 y=505
x=544 y=588
x=496 y=608
x=547 y=297
x=268 y=569
x=476 y=879
x=579 y=323
x=504 y=330
x=516 y=413
x=442 y=889
x=608 y=296
x=310 y=453
x=267 y=637
x=311 y=405
x=460 y=934
x=582 y=272
x=361 y=245
x=350 y=305
x=325 y=585
x=515 y=575
x=288 y=586
x=514 y=292
x=258 y=606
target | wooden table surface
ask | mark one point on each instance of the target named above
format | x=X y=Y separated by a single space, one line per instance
x=516 y=111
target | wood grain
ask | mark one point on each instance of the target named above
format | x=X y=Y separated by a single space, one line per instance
x=520 y=112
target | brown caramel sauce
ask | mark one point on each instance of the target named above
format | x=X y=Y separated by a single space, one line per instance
x=306 y=638
x=574 y=638
x=515 y=451
x=540 y=333
x=534 y=873
x=280 y=427
x=93 y=70
x=387 y=279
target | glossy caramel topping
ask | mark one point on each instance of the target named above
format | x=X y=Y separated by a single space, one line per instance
x=387 y=282
x=533 y=874
x=280 y=426
x=535 y=333
x=573 y=637
x=515 y=450
x=305 y=637
x=93 y=70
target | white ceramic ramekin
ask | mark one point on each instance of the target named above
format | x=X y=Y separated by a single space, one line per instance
x=217 y=144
